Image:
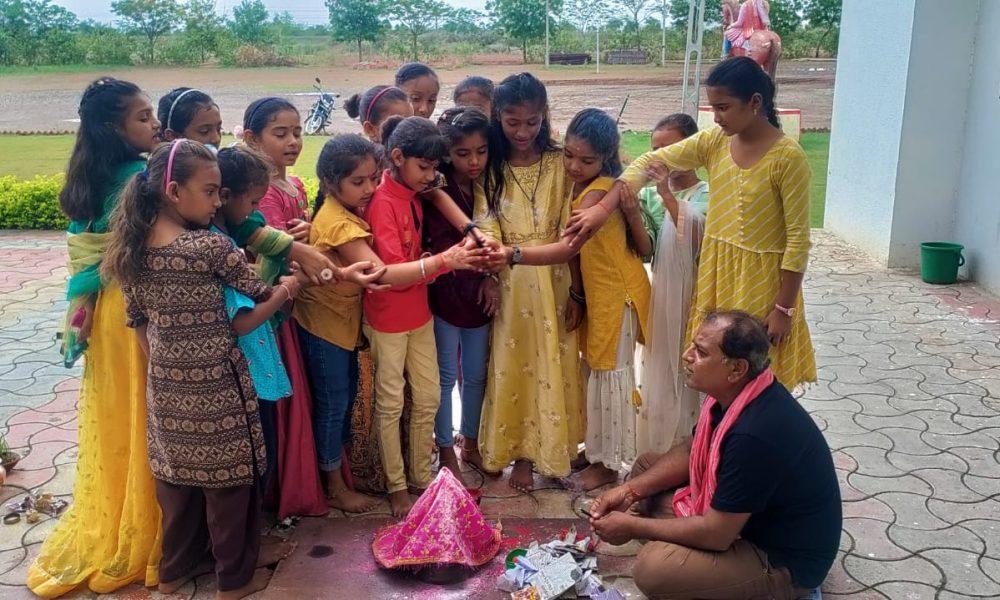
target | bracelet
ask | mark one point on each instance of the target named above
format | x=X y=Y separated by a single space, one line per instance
x=423 y=272
x=604 y=208
x=468 y=228
x=580 y=299
x=441 y=264
x=288 y=293
x=631 y=495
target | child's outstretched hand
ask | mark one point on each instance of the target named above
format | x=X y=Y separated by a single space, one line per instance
x=313 y=263
x=365 y=274
x=629 y=202
x=299 y=230
x=465 y=255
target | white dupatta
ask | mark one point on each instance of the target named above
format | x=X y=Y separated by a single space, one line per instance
x=669 y=409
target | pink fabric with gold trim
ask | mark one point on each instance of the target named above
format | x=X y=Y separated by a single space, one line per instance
x=445 y=527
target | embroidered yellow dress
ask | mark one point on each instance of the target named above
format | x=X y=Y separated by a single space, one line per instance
x=618 y=293
x=534 y=390
x=109 y=536
x=757 y=225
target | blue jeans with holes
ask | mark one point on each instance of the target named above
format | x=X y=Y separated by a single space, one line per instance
x=333 y=379
x=473 y=345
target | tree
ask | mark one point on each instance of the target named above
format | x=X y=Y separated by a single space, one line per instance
x=417 y=17
x=634 y=8
x=150 y=18
x=202 y=26
x=679 y=12
x=463 y=20
x=28 y=27
x=824 y=14
x=250 y=24
x=786 y=16
x=356 y=21
x=521 y=20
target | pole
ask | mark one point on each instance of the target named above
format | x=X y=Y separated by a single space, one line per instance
x=598 y=49
x=546 y=34
x=663 y=31
x=691 y=86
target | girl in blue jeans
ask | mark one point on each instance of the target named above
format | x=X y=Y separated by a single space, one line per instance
x=460 y=303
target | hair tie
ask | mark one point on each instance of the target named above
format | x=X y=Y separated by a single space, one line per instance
x=170 y=113
x=144 y=175
x=170 y=163
x=371 y=105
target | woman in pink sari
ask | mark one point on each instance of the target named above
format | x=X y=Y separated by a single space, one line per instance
x=753 y=16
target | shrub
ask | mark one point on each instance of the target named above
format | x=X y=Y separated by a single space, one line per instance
x=248 y=55
x=31 y=204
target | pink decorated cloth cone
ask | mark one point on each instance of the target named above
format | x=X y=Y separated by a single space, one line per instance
x=444 y=527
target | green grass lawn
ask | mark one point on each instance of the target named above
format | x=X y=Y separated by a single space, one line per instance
x=25 y=156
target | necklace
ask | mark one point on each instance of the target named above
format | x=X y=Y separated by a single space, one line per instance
x=531 y=199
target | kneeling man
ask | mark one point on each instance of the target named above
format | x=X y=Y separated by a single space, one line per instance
x=757 y=513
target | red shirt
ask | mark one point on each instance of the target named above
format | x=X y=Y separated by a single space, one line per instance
x=396 y=217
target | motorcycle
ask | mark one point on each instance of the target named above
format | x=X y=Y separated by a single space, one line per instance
x=321 y=111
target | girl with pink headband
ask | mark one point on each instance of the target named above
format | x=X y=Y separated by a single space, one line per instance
x=375 y=106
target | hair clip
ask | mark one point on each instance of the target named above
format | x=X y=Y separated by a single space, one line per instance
x=144 y=175
x=458 y=116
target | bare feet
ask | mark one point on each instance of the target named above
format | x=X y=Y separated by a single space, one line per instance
x=400 y=503
x=258 y=582
x=203 y=568
x=595 y=476
x=338 y=495
x=448 y=458
x=274 y=552
x=521 y=478
x=469 y=452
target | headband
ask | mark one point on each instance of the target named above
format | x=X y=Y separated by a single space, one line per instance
x=249 y=120
x=170 y=113
x=170 y=163
x=371 y=105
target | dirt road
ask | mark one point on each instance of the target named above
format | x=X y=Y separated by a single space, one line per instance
x=48 y=103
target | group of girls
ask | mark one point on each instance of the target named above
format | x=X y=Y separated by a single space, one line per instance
x=476 y=245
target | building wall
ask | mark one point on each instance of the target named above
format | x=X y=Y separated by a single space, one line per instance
x=978 y=216
x=869 y=95
x=915 y=112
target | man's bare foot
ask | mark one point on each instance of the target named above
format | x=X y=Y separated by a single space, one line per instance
x=258 y=582
x=273 y=553
x=400 y=503
x=469 y=453
x=595 y=476
x=203 y=568
x=521 y=478
x=448 y=458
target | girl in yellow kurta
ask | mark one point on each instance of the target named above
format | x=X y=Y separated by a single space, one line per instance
x=756 y=242
x=110 y=535
x=533 y=409
x=617 y=296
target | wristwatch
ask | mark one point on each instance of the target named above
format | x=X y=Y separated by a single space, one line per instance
x=515 y=257
x=790 y=312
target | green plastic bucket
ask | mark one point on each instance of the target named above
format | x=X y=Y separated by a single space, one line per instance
x=939 y=262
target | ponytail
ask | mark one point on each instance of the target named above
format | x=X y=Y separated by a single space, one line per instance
x=131 y=221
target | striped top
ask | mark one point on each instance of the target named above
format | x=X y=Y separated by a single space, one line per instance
x=762 y=209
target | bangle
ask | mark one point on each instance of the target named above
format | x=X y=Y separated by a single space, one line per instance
x=441 y=264
x=423 y=272
x=288 y=295
x=631 y=495
x=468 y=228
x=580 y=299
x=604 y=208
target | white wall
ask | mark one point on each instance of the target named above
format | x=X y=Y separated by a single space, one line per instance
x=868 y=99
x=978 y=222
x=913 y=97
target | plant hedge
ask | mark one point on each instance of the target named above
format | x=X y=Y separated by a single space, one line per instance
x=34 y=203
x=31 y=204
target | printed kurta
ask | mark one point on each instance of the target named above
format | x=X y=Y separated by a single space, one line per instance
x=757 y=226
x=534 y=405
x=204 y=426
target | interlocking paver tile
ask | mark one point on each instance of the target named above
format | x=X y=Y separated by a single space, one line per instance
x=871 y=486
x=962 y=572
x=871 y=540
x=959 y=537
x=913 y=568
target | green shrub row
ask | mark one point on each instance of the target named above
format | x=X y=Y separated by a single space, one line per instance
x=31 y=204
x=34 y=203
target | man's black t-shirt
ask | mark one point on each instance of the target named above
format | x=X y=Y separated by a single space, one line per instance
x=776 y=465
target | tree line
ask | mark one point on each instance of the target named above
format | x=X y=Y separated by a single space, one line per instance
x=39 y=32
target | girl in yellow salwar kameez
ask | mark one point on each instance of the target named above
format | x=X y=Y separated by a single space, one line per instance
x=110 y=535
x=756 y=242
x=533 y=412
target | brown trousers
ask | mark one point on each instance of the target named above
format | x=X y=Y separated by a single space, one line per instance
x=200 y=523
x=664 y=570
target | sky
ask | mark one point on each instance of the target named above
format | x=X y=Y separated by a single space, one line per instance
x=305 y=11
